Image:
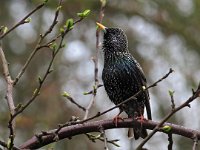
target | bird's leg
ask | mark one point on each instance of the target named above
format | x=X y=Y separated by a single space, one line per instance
x=116 y=118
x=141 y=119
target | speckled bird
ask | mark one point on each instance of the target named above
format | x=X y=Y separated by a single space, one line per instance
x=123 y=77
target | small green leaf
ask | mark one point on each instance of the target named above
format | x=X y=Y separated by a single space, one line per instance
x=45 y=1
x=69 y=24
x=28 y=20
x=80 y=14
x=85 y=93
x=171 y=92
x=84 y=14
x=167 y=128
x=65 y=94
x=5 y=29
x=9 y=143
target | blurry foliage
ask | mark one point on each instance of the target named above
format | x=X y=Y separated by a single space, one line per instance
x=161 y=34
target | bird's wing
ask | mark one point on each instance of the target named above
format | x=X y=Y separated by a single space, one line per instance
x=144 y=83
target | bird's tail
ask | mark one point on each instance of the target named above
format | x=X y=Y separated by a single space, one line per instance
x=136 y=133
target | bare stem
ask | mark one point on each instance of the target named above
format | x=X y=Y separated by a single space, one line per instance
x=103 y=134
x=23 y=20
x=38 y=45
x=95 y=60
x=9 y=97
x=170 y=139
x=74 y=102
x=195 y=144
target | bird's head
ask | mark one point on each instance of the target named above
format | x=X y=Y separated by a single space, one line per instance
x=114 y=39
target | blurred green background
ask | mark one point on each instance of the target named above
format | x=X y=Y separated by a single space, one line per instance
x=161 y=34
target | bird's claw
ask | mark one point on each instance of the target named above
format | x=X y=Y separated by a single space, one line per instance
x=115 y=119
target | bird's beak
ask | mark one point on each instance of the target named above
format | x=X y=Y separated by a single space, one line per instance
x=102 y=27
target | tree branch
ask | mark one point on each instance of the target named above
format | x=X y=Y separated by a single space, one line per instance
x=68 y=132
x=38 y=45
x=23 y=20
x=195 y=95
x=9 y=97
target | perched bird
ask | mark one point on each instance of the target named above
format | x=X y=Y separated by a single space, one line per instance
x=123 y=77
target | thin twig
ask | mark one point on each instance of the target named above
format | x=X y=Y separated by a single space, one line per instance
x=22 y=21
x=170 y=139
x=48 y=71
x=6 y=145
x=195 y=144
x=95 y=60
x=171 y=93
x=103 y=134
x=38 y=45
x=89 y=106
x=74 y=102
x=90 y=92
x=195 y=95
x=93 y=138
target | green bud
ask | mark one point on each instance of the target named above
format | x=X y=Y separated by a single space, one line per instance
x=62 y=30
x=28 y=20
x=85 y=93
x=58 y=8
x=171 y=92
x=9 y=143
x=84 y=14
x=69 y=24
x=35 y=91
x=45 y=1
x=5 y=29
x=65 y=94
x=167 y=128
x=53 y=46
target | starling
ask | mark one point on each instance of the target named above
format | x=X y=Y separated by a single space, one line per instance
x=123 y=77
